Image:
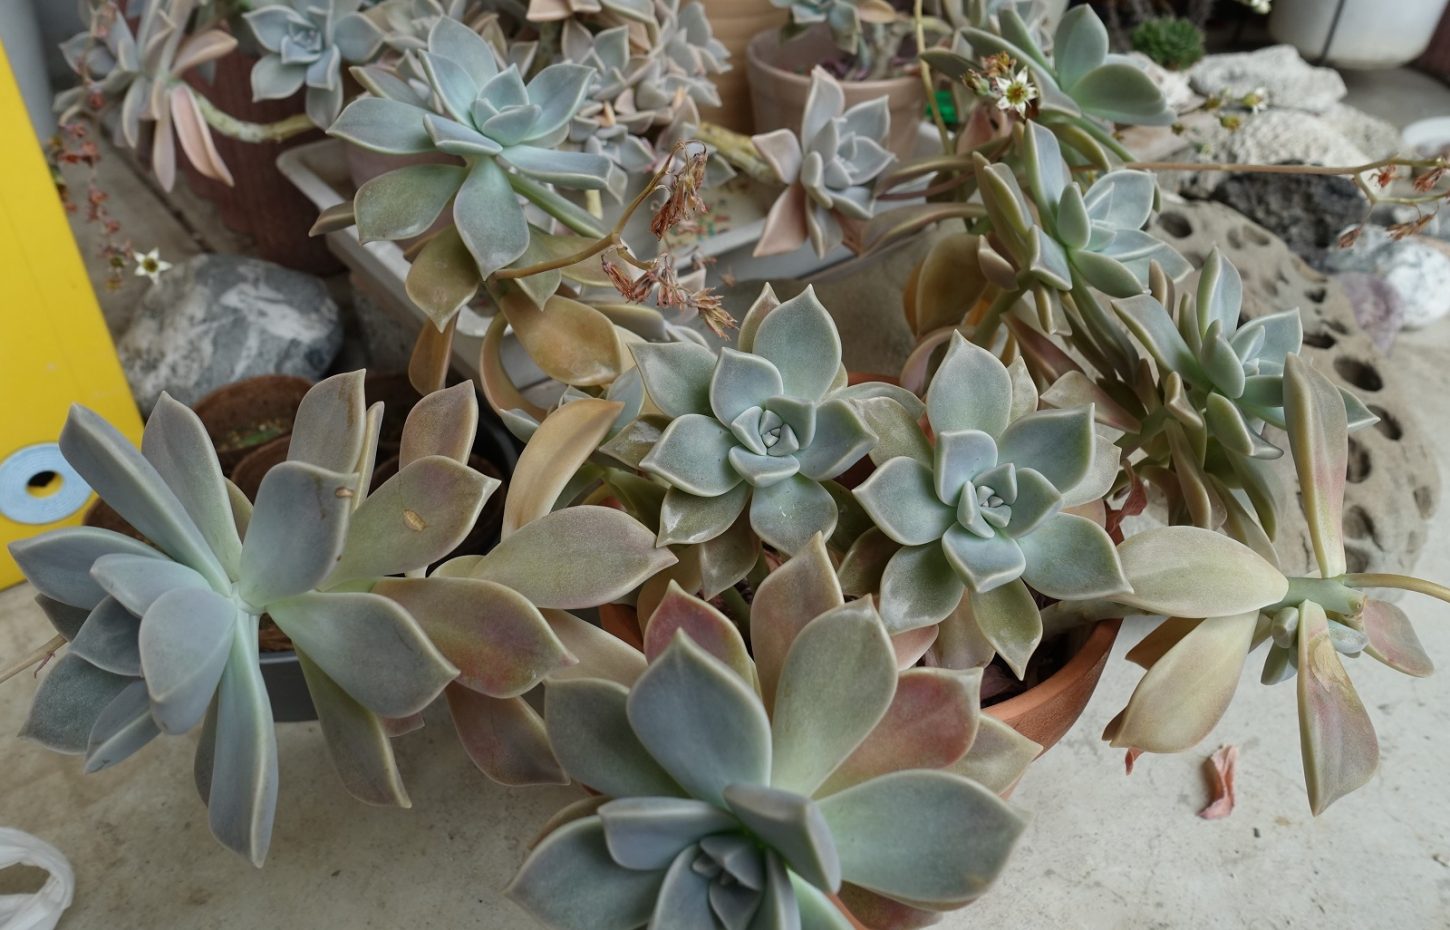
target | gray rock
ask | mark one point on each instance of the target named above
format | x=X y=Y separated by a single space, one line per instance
x=1377 y=306
x=1394 y=482
x=1306 y=211
x=217 y=318
x=1273 y=137
x=1415 y=268
x=1288 y=79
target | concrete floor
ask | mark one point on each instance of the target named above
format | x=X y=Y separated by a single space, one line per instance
x=1103 y=851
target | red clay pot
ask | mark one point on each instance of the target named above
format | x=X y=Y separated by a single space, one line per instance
x=1046 y=712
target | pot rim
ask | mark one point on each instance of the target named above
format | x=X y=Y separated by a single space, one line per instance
x=1093 y=650
x=754 y=59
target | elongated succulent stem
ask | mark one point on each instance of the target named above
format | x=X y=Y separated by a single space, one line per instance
x=1238 y=168
x=39 y=655
x=593 y=249
x=560 y=209
x=1402 y=582
x=1329 y=593
x=926 y=82
x=240 y=129
x=736 y=148
x=982 y=333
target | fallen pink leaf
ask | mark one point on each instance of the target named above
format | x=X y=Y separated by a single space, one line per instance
x=1130 y=759
x=1220 y=768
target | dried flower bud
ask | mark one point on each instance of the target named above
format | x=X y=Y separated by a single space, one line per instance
x=1349 y=237
x=1430 y=179
x=683 y=201
x=1405 y=230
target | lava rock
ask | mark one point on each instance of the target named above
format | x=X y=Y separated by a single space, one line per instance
x=1377 y=306
x=1307 y=211
x=215 y=319
x=1393 y=486
x=1416 y=268
x=1278 y=70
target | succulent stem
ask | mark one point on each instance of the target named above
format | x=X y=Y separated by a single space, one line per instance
x=926 y=82
x=1330 y=593
x=564 y=211
x=1402 y=582
x=737 y=149
x=240 y=129
x=39 y=655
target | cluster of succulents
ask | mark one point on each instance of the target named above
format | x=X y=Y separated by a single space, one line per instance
x=306 y=44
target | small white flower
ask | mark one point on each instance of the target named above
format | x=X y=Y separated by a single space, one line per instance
x=1257 y=100
x=1016 y=92
x=150 y=265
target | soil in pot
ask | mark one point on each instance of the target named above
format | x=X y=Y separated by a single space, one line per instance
x=244 y=415
x=780 y=80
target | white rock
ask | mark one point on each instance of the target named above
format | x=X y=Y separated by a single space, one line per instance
x=1417 y=270
x=215 y=319
x=1269 y=138
x=1289 y=80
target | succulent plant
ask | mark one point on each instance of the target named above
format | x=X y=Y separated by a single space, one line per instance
x=842 y=17
x=736 y=793
x=981 y=513
x=757 y=426
x=826 y=169
x=307 y=41
x=140 y=71
x=504 y=132
x=1171 y=41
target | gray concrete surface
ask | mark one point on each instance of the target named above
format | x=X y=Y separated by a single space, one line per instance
x=1104 y=851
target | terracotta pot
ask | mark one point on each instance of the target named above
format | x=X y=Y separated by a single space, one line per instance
x=780 y=80
x=1046 y=712
x=246 y=414
x=250 y=471
x=262 y=204
x=735 y=23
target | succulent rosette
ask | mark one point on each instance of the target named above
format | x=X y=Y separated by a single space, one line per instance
x=982 y=513
x=307 y=42
x=736 y=793
x=757 y=426
x=826 y=168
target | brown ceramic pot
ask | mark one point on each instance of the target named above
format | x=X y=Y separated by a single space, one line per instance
x=246 y=414
x=250 y=471
x=735 y=23
x=780 y=79
x=1046 y=712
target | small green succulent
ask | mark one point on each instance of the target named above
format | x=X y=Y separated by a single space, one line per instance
x=504 y=132
x=307 y=42
x=746 y=794
x=1171 y=41
x=827 y=169
x=981 y=512
x=757 y=426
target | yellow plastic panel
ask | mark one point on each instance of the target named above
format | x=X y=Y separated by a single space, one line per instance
x=54 y=348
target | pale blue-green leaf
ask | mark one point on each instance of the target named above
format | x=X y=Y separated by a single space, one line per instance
x=901 y=499
x=1121 y=199
x=453 y=40
x=122 y=728
x=971 y=390
x=387 y=126
x=242 y=790
x=792 y=825
x=649 y=832
x=557 y=91
x=700 y=722
x=455 y=138
x=357 y=741
x=676 y=376
x=456 y=88
x=1072 y=557
x=1222 y=365
x=786 y=515
x=177 y=445
x=1150 y=323
x=443 y=423
x=504 y=738
x=58 y=563
x=742 y=381
x=185 y=640
x=688 y=520
x=800 y=339
x=136 y=581
x=1074 y=226
x=574 y=170
x=1079 y=45
x=65 y=619
x=108 y=639
x=70 y=699
x=570 y=882
x=330 y=428
x=841 y=438
x=1047 y=173
x=1037 y=500
x=897 y=430
x=1009 y=619
x=1056 y=443
x=489 y=219
x=356 y=37
x=1107 y=274
x=370 y=646
x=762 y=471
x=919 y=588
x=1121 y=92
x=692 y=455
x=932 y=838
x=684 y=899
x=589 y=728
x=296 y=533
x=983 y=563
x=406 y=201
x=1048 y=261
x=1186 y=571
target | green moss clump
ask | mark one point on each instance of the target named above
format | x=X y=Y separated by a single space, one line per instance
x=1171 y=41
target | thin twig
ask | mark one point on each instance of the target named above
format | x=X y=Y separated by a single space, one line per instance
x=39 y=655
x=941 y=125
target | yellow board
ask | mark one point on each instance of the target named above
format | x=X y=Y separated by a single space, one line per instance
x=54 y=348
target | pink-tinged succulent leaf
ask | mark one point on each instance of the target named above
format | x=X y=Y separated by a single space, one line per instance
x=558 y=560
x=432 y=356
x=195 y=136
x=1221 y=767
x=930 y=838
x=790 y=597
x=498 y=388
x=330 y=426
x=1183 y=695
x=570 y=341
x=959 y=642
x=296 y=532
x=1319 y=439
x=117 y=472
x=947 y=284
x=835 y=686
x=402 y=726
x=504 y=737
x=890 y=225
x=367 y=461
x=416 y=518
x=710 y=629
x=499 y=641
x=370 y=646
x=872 y=911
x=600 y=654
x=998 y=756
x=163 y=149
x=177 y=445
x=570 y=881
x=700 y=722
x=357 y=741
x=763 y=306
x=910 y=646
x=1392 y=639
x=1008 y=618
x=685 y=573
x=931 y=723
x=1159 y=640
x=782 y=151
x=588 y=725
x=443 y=277
x=202 y=48
x=1185 y=571
x=1336 y=736
x=1075 y=389
x=785 y=225
x=1130 y=759
x=561 y=444
x=443 y=423
x=569 y=813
